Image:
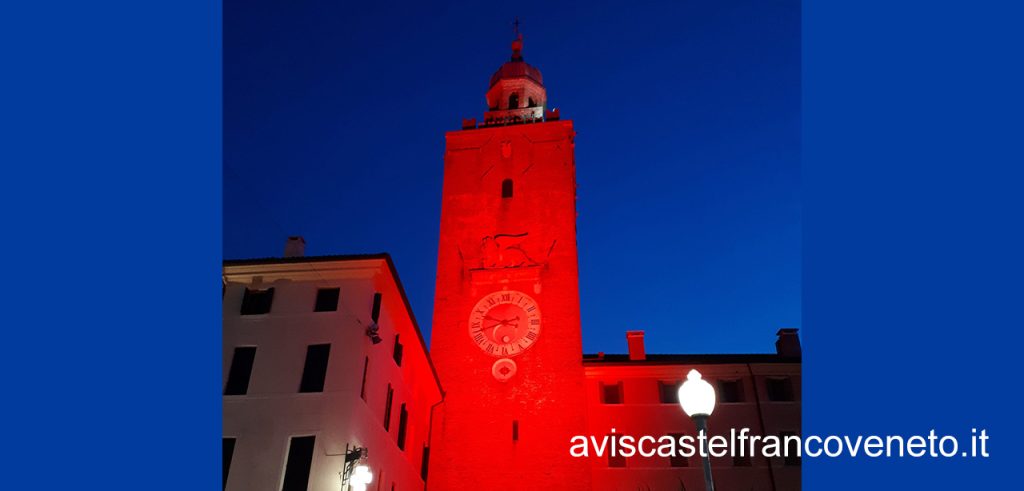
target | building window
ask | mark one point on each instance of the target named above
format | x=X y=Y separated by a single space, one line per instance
x=362 y=388
x=327 y=299
x=792 y=445
x=741 y=461
x=513 y=101
x=676 y=460
x=315 y=371
x=730 y=390
x=375 y=312
x=256 y=302
x=387 y=408
x=531 y=102
x=506 y=188
x=779 y=388
x=403 y=420
x=668 y=392
x=515 y=430
x=241 y=371
x=300 y=460
x=425 y=462
x=398 y=351
x=228 y=452
x=616 y=460
x=611 y=393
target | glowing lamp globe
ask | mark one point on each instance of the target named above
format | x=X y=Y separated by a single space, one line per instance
x=361 y=476
x=696 y=395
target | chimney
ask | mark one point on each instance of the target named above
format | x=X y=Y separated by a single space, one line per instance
x=635 y=341
x=295 y=247
x=788 y=343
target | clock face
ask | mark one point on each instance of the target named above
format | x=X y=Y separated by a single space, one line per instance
x=505 y=323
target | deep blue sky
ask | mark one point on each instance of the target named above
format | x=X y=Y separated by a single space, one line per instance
x=688 y=151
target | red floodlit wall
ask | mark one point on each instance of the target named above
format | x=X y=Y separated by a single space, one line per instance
x=508 y=434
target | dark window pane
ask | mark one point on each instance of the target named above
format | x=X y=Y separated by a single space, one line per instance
x=300 y=459
x=241 y=371
x=327 y=299
x=792 y=448
x=668 y=392
x=677 y=460
x=730 y=390
x=506 y=188
x=425 y=463
x=403 y=419
x=779 y=389
x=616 y=460
x=315 y=372
x=362 y=390
x=611 y=393
x=515 y=430
x=227 y=453
x=257 y=302
x=387 y=408
x=398 y=351
x=375 y=313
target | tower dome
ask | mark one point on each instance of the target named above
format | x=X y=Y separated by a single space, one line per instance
x=516 y=67
x=516 y=93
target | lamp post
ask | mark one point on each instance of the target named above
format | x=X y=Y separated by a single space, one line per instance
x=697 y=397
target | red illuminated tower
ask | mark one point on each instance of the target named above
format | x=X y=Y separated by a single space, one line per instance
x=506 y=330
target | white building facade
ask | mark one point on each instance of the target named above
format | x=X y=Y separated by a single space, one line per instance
x=305 y=382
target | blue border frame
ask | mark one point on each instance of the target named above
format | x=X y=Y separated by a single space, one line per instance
x=111 y=126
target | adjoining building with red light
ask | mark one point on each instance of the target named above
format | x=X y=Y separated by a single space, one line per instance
x=635 y=393
x=512 y=386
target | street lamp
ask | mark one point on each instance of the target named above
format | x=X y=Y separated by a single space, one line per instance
x=697 y=397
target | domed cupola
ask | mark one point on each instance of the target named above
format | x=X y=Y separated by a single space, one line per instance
x=516 y=93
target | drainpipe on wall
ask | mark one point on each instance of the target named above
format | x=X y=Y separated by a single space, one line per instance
x=760 y=418
x=430 y=436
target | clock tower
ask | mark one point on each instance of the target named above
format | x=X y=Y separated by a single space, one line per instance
x=505 y=337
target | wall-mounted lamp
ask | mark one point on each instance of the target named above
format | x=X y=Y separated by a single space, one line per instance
x=357 y=453
x=372 y=332
x=356 y=474
x=361 y=476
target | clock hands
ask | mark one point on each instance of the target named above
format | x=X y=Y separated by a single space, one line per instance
x=507 y=322
x=511 y=322
x=512 y=319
